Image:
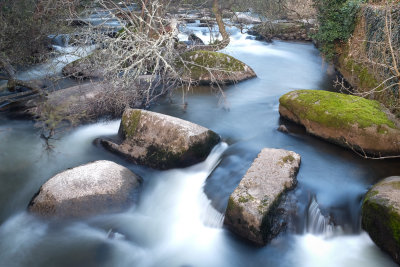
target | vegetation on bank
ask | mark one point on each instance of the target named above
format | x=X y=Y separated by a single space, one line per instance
x=337 y=19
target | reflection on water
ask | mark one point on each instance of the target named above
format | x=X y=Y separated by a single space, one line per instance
x=177 y=221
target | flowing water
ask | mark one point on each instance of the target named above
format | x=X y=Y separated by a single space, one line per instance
x=178 y=218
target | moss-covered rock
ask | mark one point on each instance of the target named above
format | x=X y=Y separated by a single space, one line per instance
x=351 y=121
x=207 y=67
x=252 y=207
x=381 y=215
x=161 y=141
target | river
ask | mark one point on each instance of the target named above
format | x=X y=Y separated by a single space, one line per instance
x=178 y=218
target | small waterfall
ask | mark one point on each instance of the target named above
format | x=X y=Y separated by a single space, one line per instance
x=317 y=223
x=209 y=215
x=61 y=40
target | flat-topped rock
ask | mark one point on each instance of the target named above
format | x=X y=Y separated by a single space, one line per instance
x=381 y=215
x=161 y=141
x=90 y=189
x=350 y=121
x=252 y=206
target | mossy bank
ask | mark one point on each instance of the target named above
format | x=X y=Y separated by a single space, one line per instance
x=353 y=122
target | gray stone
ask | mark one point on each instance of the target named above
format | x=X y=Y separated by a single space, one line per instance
x=381 y=215
x=90 y=189
x=252 y=206
x=282 y=128
x=161 y=141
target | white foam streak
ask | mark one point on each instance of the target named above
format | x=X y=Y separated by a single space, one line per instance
x=317 y=223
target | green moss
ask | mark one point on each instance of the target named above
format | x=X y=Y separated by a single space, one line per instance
x=394 y=224
x=244 y=199
x=381 y=220
x=161 y=158
x=199 y=61
x=365 y=78
x=335 y=109
x=130 y=121
x=232 y=206
x=287 y=159
x=201 y=150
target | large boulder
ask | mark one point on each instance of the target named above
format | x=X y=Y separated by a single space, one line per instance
x=208 y=67
x=353 y=122
x=90 y=189
x=252 y=207
x=381 y=215
x=161 y=141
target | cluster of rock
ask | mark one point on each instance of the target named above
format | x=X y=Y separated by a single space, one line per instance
x=283 y=31
x=161 y=141
x=149 y=138
x=367 y=127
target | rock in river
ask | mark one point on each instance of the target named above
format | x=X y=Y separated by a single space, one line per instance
x=351 y=121
x=207 y=67
x=252 y=206
x=84 y=68
x=381 y=215
x=161 y=141
x=90 y=189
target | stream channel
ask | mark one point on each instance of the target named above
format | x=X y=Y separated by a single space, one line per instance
x=178 y=218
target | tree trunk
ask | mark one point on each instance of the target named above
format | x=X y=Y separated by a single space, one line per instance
x=221 y=26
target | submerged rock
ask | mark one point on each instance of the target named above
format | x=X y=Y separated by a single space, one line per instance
x=90 y=189
x=252 y=207
x=353 y=122
x=381 y=215
x=161 y=141
x=207 y=67
x=282 y=128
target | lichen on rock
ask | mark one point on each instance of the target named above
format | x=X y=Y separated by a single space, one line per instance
x=252 y=207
